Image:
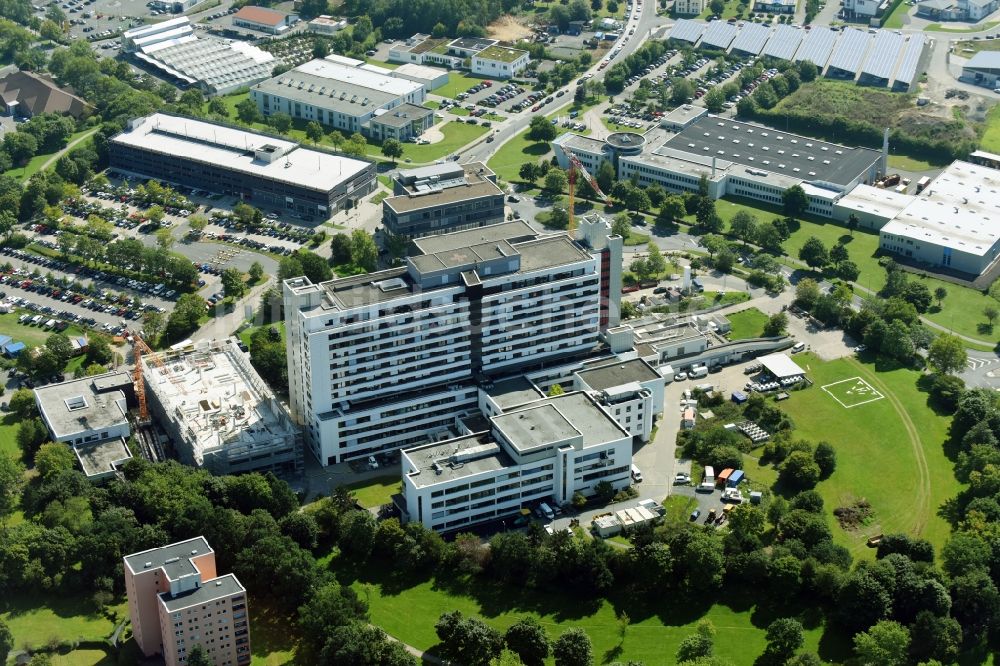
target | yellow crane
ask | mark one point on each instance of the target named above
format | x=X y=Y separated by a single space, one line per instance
x=139 y=347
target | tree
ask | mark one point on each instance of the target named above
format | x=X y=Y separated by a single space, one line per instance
x=196 y=656
x=671 y=209
x=838 y=253
x=392 y=149
x=183 y=321
x=152 y=325
x=528 y=639
x=282 y=122
x=717 y=6
x=814 y=253
x=541 y=129
x=991 y=313
x=933 y=637
x=784 y=637
x=605 y=176
x=897 y=342
x=698 y=645
x=555 y=390
x=556 y=180
x=22 y=404
x=468 y=640
x=799 y=470
x=777 y=324
x=947 y=354
x=885 y=644
x=52 y=459
x=164 y=238
x=314 y=267
x=621 y=225
x=256 y=272
x=744 y=227
x=825 y=457
x=232 y=283
x=655 y=262
x=681 y=90
x=573 y=648
x=197 y=223
x=795 y=201
x=529 y=172
x=714 y=99
x=30 y=435
x=11 y=482
x=939 y=295
x=6 y=641
x=364 y=252
x=847 y=270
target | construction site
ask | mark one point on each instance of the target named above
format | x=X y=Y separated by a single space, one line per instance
x=216 y=410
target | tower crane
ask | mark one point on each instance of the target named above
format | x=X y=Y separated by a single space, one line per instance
x=576 y=168
x=139 y=347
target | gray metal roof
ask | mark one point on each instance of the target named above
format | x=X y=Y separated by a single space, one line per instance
x=751 y=38
x=210 y=590
x=850 y=50
x=784 y=42
x=881 y=61
x=907 y=70
x=985 y=60
x=816 y=47
x=719 y=34
x=687 y=30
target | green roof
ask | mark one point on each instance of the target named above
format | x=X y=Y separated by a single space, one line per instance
x=501 y=54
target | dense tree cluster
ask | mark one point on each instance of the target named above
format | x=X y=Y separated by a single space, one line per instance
x=399 y=18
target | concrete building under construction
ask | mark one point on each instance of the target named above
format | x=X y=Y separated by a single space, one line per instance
x=218 y=411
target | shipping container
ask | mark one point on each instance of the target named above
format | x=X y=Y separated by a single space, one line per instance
x=735 y=478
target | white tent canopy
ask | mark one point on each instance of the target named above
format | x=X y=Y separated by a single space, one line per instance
x=781 y=366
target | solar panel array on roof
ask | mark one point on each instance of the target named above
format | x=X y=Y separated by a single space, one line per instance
x=719 y=34
x=816 y=47
x=907 y=70
x=687 y=30
x=850 y=51
x=783 y=42
x=881 y=62
x=751 y=38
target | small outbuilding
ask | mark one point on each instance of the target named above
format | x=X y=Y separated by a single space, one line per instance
x=781 y=366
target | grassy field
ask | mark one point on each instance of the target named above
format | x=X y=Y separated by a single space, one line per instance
x=747 y=324
x=246 y=334
x=912 y=164
x=895 y=20
x=408 y=611
x=836 y=98
x=969 y=47
x=508 y=160
x=37 y=618
x=271 y=643
x=36 y=162
x=456 y=135
x=991 y=136
x=945 y=27
x=907 y=444
x=375 y=492
x=8 y=434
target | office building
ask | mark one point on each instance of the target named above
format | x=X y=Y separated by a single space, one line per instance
x=545 y=451
x=263 y=170
x=956 y=10
x=426 y=50
x=218 y=411
x=326 y=25
x=216 y=66
x=689 y=7
x=24 y=94
x=264 y=19
x=774 y=6
x=391 y=359
x=865 y=9
x=177 y=599
x=736 y=158
x=89 y=415
x=500 y=62
x=983 y=69
x=347 y=95
x=950 y=226
x=443 y=198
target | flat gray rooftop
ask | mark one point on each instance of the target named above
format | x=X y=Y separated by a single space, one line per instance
x=604 y=377
x=596 y=425
x=513 y=392
x=174 y=559
x=210 y=590
x=513 y=232
x=535 y=427
x=548 y=252
x=358 y=290
x=77 y=406
x=456 y=459
x=738 y=142
x=465 y=191
x=100 y=457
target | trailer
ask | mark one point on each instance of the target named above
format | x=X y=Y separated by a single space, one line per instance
x=735 y=478
x=923 y=183
x=723 y=477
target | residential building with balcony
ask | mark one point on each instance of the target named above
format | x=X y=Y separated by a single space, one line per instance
x=176 y=600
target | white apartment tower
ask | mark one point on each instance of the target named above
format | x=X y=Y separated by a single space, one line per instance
x=392 y=359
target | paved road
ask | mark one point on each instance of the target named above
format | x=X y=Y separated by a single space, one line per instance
x=983 y=370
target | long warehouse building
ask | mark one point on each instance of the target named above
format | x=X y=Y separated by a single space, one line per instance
x=264 y=171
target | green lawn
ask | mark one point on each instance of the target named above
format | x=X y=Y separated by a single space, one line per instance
x=725 y=297
x=508 y=160
x=375 y=492
x=747 y=324
x=271 y=643
x=246 y=334
x=8 y=436
x=945 y=27
x=457 y=83
x=894 y=21
x=408 y=611
x=36 y=162
x=905 y=444
x=991 y=136
x=36 y=618
x=912 y=164
x=970 y=46
x=456 y=135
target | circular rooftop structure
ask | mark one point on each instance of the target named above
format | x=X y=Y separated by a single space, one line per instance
x=626 y=143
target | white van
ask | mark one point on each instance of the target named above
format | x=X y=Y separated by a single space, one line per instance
x=799 y=346
x=546 y=511
x=698 y=371
x=636 y=474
